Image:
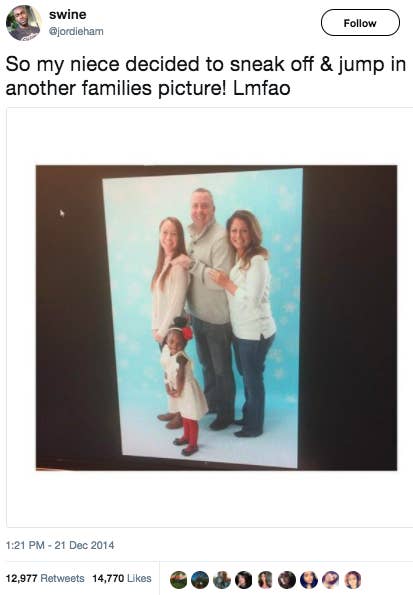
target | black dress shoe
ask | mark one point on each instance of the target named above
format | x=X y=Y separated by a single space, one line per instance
x=218 y=424
x=189 y=450
x=180 y=441
x=239 y=422
x=245 y=434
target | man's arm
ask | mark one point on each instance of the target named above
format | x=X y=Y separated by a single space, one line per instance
x=222 y=259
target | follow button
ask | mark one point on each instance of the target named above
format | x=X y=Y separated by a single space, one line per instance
x=360 y=21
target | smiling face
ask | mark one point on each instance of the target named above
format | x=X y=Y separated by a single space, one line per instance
x=202 y=209
x=175 y=342
x=240 y=235
x=352 y=580
x=21 y=16
x=168 y=237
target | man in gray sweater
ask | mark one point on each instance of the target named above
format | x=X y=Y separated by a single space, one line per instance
x=209 y=248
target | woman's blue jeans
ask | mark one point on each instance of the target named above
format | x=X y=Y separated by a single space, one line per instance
x=250 y=357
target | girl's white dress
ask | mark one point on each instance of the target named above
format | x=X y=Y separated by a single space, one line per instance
x=191 y=403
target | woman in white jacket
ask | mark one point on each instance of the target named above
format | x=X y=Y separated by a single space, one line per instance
x=248 y=291
x=169 y=287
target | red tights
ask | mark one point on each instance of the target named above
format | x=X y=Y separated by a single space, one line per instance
x=190 y=431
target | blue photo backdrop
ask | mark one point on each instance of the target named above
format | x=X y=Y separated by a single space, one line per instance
x=134 y=208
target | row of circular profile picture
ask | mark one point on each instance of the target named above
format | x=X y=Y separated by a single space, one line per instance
x=286 y=579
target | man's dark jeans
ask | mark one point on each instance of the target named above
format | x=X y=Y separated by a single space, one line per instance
x=213 y=345
x=250 y=356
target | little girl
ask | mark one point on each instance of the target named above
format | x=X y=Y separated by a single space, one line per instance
x=181 y=384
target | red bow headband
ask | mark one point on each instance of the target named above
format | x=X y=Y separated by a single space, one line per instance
x=186 y=331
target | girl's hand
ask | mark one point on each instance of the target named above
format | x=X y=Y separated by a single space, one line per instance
x=172 y=392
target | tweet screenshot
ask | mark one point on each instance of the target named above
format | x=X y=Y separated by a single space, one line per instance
x=207 y=297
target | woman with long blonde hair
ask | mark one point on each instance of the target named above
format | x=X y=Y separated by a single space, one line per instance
x=169 y=286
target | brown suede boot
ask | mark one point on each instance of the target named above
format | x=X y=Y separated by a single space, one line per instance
x=175 y=423
x=166 y=416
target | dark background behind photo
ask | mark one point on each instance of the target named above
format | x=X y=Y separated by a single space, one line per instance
x=348 y=334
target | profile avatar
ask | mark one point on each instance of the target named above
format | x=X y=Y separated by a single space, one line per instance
x=222 y=580
x=308 y=579
x=330 y=579
x=178 y=579
x=265 y=579
x=243 y=580
x=287 y=579
x=200 y=579
x=23 y=22
x=352 y=580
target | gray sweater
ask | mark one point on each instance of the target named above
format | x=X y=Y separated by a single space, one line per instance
x=209 y=249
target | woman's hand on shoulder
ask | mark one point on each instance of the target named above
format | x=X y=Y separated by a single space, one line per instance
x=183 y=260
